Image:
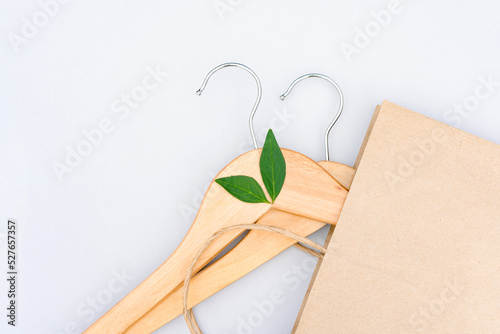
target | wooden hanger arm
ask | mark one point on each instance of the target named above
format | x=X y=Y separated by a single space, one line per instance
x=217 y=210
x=308 y=191
x=254 y=250
x=251 y=252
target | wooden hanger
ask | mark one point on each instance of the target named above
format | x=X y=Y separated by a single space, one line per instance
x=309 y=191
x=252 y=251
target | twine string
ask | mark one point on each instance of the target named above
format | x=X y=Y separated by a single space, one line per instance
x=188 y=313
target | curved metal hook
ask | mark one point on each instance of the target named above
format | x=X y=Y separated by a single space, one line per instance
x=259 y=92
x=339 y=112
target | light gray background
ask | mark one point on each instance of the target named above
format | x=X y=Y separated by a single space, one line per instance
x=129 y=203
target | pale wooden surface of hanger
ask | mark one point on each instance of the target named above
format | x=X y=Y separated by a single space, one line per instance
x=309 y=191
x=252 y=251
x=256 y=248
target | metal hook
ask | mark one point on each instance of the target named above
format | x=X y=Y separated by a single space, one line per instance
x=259 y=92
x=339 y=112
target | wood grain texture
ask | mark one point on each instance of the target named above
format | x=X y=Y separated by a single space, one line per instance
x=340 y=172
x=254 y=250
x=309 y=191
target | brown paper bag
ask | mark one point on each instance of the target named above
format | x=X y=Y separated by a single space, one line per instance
x=417 y=246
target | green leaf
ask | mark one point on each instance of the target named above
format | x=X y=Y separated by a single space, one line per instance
x=272 y=166
x=244 y=188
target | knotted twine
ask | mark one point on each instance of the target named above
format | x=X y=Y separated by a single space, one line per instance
x=188 y=313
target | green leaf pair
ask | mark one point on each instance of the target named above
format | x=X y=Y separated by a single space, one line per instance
x=272 y=169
